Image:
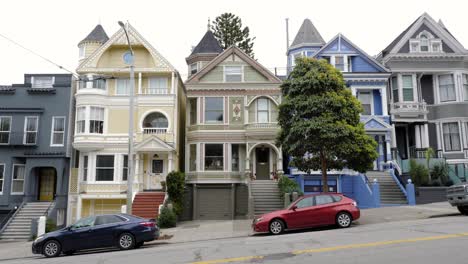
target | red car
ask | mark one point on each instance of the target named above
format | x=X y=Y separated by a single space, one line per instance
x=310 y=211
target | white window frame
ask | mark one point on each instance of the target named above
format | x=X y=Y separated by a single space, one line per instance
x=454 y=78
x=460 y=135
x=33 y=79
x=395 y=88
x=192 y=66
x=2 y=177
x=465 y=83
x=85 y=170
x=371 y=93
x=413 y=81
x=81 y=52
x=430 y=43
x=13 y=180
x=77 y=120
x=204 y=111
x=122 y=167
x=127 y=88
x=9 y=131
x=232 y=66
x=224 y=156
x=88 y=120
x=52 y=132
x=25 y=131
x=268 y=110
x=114 y=178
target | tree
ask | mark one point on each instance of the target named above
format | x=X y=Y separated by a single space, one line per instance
x=320 y=124
x=227 y=29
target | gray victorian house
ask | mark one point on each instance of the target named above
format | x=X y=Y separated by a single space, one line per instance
x=35 y=150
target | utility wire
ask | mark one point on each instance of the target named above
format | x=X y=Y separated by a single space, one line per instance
x=38 y=55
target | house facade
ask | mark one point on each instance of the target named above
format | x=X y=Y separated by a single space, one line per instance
x=429 y=94
x=231 y=129
x=35 y=134
x=99 y=180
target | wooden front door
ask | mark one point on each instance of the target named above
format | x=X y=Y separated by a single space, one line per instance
x=262 y=163
x=46 y=184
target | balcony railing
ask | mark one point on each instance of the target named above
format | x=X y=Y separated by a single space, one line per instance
x=102 y=187
x=154 y=91
x=261 y=125
x=154 y=131
x=415 y=107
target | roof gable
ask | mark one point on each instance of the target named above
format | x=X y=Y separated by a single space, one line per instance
x=374 y=123
x=153 y=143
x=233 y=51
x=342 y=45
x=208 y=44
x=98 y=34
x=119 y=39
x=307 y=35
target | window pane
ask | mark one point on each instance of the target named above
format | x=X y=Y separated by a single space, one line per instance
x=465 y=86
x=158 y=166
x=105 y=161
x=233 y=73
x=104 y=174
x=58 y=138
x=42 y=82
x=306 y=202
x=31 y=124
x=193 y=157
x=85 y=168
x=407 y=88
x=2 y=176
x=446 y=88
x=451 y=137
x=323 y=199
x=214 y=109
x=5 y=124
x=123 y=87
x=214 y=157
x=125 y=168
x=339 y=63
x=366 y=102
x=155 y=120
x=193 y=111
x=59 y=124
x=262 y=104
x=235 y=157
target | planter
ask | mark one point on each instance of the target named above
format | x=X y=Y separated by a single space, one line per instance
x=426 y=195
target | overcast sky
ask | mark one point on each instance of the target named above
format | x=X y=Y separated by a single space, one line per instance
x=53 y=28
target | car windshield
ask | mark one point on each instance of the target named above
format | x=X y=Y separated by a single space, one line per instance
x=84 y=222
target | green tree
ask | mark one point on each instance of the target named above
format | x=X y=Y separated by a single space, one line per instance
x=175 y=182
x=319 y=119
x=227 y=29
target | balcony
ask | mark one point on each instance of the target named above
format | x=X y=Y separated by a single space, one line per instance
x=103 y=187
x=409 y=111
x=154 y=91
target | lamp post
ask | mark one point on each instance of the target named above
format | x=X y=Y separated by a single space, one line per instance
x=129 y=60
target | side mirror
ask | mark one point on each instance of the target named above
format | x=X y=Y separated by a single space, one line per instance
x=294 y=207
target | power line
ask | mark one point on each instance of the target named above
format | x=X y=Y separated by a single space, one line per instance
x=37 y=54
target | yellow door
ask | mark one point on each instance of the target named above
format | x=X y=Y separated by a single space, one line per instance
x=46 y=184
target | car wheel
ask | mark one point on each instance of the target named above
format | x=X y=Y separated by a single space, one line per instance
x=139 y=244
x=126 y=241
x=51 y=249
x=69 y=253
x=343 y=219
x=463 y=210
x=276 y=227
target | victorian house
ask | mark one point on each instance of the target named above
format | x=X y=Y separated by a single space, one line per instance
x=367 y=79
x=232 y=113
x=99 y=180
x=429 y=95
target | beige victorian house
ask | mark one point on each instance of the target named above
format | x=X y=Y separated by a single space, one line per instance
x=99 y=179
x=231 y=129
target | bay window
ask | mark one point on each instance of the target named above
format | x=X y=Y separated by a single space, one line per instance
x=214 y=158
x=96 y=120
x=104 y=168
x=193 y=157
x=451 y=135
x=193 y=111
x=125 y=168
x=447 y=88
x=214 y=109
x=408 y=88
x=395 y=89
x=80 y=119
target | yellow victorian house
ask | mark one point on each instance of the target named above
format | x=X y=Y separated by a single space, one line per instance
x=98 y=183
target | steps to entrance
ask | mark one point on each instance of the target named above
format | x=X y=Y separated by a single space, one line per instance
x=390 y=192
x=146 y=204
x=266 y=196
x=20 y=226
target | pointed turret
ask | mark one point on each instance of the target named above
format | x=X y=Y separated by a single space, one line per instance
x=307 y=35
x=94 y=40
x=206 y=50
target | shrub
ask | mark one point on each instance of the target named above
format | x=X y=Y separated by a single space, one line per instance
x=419 y=173
x=167 y=218
x=175 y=185
x=50 y=225
x=287 y=185
x=440 y=172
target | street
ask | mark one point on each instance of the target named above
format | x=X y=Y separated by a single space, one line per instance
x=433 y=240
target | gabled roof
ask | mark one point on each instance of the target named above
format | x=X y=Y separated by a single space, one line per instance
x=375 y=124
x=242 y=55
x=153 y=143
x=404 y=36
x=119 y=38
x=208 y=44
x=366 y=56
x=307 y=35
x=98 y=34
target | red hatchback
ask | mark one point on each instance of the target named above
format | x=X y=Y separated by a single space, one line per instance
x=310 y=211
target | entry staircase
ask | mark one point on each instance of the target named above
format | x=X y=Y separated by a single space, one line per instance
x=390 y=192
x=19 y=228
x=266 y=196
x=146 y=204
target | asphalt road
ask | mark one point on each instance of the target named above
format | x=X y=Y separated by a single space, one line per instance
x=436 y=240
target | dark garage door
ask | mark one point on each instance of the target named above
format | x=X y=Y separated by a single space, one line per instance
x=214 y=203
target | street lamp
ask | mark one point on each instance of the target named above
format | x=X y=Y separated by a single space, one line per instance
x=129 y=60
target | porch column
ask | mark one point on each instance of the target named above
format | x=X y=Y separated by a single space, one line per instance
x=170 y=162
x=139 y=83
x=383 y=96
x=137 y=169
x=78 y=208
x=247 y=160
x=417 y=135
x=393 y=135
x=279 y=165
x=425 y=136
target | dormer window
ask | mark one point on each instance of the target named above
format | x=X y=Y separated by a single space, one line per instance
x=339 y=63
x=193 y=68
x=42 y=82
x=425 y=42
x=233 y=73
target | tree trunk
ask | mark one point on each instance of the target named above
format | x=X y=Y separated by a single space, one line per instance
x=324 y=172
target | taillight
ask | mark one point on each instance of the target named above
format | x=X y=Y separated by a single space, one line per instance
x=148 y=224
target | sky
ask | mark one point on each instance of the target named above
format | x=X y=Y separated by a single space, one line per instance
x=54 y=28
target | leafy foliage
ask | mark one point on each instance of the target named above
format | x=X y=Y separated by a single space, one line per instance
x=167 y=218
x=227 y=29
x=418 y=173
x=50 y=225
x=286 y=185
x=175 y=184
x=440 y=173
x=320 y=124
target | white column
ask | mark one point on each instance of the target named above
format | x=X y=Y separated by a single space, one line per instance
x=425 y=136
x=383 y=96
x=280 y=162
x=137 y=169
x=353 y=91
x=438 y=136
x=393 y=134
x=78 y=209
x=172 y=83
x=170 y=162
x=417 y=135
x=139 y=83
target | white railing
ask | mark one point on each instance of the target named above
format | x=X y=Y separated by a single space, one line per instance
x=262 y=125
x=153 y=131
x=102 y=187
x=151 y=91
x=42 y=85
x=409 y=107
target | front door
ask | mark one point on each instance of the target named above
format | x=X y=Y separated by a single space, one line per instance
x=156 y=174
x=262 y=163
x=46 y=184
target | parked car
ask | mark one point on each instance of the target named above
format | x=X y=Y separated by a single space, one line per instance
x=457 y=195
x=309 y=211
x=113 y=230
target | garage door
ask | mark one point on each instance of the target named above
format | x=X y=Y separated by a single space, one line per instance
x=214 y=203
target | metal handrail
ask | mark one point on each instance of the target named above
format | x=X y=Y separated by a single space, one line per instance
x=11 y=217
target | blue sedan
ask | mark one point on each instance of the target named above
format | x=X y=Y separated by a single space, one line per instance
x=114 y=230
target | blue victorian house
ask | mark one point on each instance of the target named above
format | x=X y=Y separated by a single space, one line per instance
x=367 y=79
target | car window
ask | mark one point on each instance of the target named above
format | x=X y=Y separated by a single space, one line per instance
x=323 y=199
x=337 y=198
x=107 y=219
x=306 y=202
x=84 y=222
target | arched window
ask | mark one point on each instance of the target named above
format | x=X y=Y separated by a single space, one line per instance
x=155 y=120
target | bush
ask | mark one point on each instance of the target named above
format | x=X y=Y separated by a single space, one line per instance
x=175 y=184
x=167 y=218
x=419 y=173
x=287 y=185
x=50 y=225
x=440 y=172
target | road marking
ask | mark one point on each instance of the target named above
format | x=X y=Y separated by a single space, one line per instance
x=351 y=246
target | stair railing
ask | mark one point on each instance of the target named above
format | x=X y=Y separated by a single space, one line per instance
x=51 y=205
x=9 y=219
x=398 y=182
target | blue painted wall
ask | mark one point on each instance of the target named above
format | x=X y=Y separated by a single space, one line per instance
x=377 y=102
x=360 y=64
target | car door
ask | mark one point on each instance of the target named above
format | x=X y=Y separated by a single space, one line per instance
x=324 y=206
x=104 y=228
x=80 y=235
x=301 y=214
